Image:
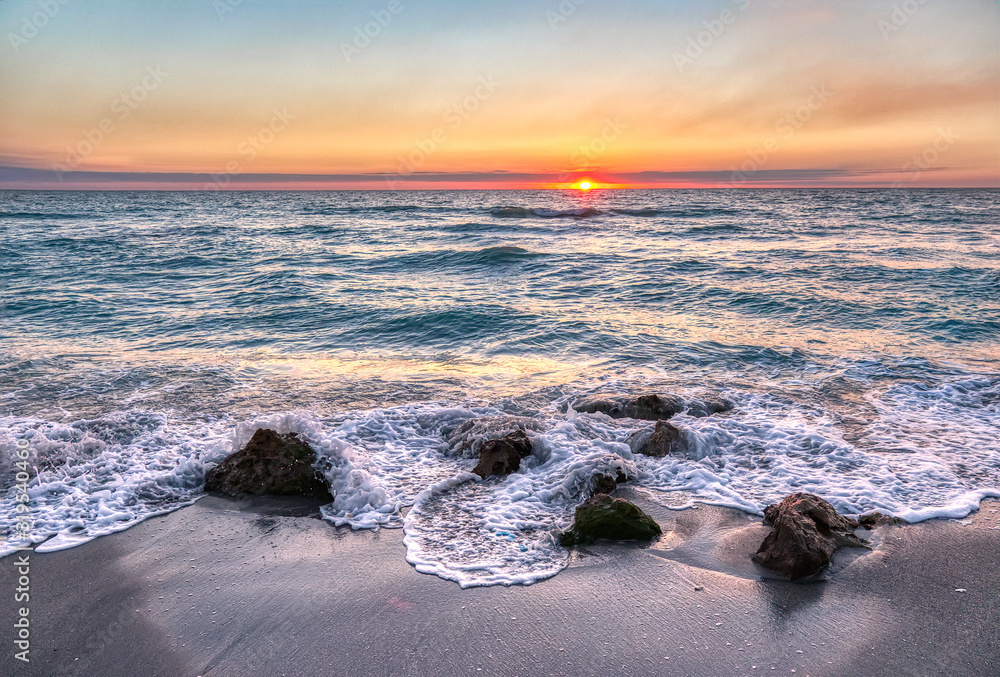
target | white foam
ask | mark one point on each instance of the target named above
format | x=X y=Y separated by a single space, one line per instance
x=929 y=452
x=115 y=471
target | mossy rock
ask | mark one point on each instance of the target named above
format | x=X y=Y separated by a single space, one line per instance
x=614 y=519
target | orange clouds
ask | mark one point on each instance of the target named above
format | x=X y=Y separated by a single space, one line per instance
x=413 y=102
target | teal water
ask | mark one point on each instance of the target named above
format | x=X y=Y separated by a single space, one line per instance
x=858 y=332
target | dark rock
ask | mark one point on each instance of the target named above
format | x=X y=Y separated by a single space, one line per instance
x=270 y=464
x=807 y=531
x=612 y=518
x=703 y=408
x=467 y=438
x=503 y=456
x=874 y=519
x=605 y=484
x=646 y=407
x=666 y=439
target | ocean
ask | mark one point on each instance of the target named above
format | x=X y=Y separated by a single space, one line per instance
x=146 y=335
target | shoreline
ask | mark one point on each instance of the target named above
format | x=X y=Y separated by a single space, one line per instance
x=226 y=587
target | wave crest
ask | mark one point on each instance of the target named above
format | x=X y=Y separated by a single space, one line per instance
x=514 y=212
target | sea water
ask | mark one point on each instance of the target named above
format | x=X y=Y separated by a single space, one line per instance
x=145 y=336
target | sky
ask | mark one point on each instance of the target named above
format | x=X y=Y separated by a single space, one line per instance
x=401 y=94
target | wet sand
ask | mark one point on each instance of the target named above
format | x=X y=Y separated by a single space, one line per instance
x=225 y=588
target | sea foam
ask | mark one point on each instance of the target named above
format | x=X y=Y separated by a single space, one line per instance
x=930 y=451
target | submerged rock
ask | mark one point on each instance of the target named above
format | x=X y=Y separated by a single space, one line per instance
x=467 y=438
x=615 y=519
x=270 y=464
x=666 y=439
x=503 y=456
x=874 y=519
x=645 y=407
x=703 y=408
x=605 y=484
x=807 y=531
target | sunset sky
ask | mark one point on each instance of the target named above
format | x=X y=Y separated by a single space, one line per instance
x=518 y=94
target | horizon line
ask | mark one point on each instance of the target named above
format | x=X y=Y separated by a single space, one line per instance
x=37 y=179
x=870 y=187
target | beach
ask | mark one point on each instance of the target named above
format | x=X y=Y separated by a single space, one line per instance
x=524 y=339
x=230 y=588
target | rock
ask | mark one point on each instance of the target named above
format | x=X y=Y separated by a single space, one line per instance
x=703 y=408
x=646 y=407
x=666 y=439
x=874 y=519
x=615 y=519
x=807 y=531
x=503 y=456
x=605 y=484
x=467 y=438
x=270 y=464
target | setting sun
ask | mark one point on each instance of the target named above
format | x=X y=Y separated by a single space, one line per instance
x=585 y=185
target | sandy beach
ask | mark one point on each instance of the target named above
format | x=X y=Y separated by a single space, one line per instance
x=227 y=588
x=332 y=333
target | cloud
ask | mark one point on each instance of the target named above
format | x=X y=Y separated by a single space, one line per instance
x=26 y=177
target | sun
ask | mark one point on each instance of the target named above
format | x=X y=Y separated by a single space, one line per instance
x=585 y=185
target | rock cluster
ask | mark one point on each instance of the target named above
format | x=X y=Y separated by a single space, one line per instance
x=466 y=438
x=653 y=407
x=644 y=407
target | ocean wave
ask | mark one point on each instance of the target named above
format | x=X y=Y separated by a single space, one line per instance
x=714 y=229
x=504 y=253
x=377 y=209
x=41 y=215
x=452 y=259
x=586 y=212
x=678 y=212
x=541 y=213
x=101 y=476
x=383 y=209
x=929 y=450
x=649 y=211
